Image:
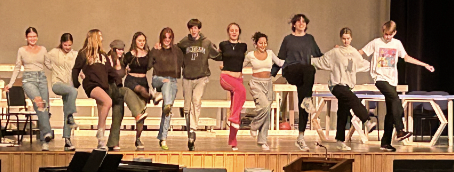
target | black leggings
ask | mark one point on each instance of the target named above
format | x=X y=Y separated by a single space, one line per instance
x=302 y=76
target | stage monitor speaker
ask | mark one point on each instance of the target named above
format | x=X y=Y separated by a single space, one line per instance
x=423 y=165
x=204 y=170
x=110 y=163
x=94 y=161
x=78 y=161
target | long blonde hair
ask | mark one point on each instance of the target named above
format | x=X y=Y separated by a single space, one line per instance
x=93 y=45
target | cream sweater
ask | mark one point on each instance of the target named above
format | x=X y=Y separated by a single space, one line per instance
x=344 y=63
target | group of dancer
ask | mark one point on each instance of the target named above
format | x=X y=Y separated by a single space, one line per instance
x=299 y=57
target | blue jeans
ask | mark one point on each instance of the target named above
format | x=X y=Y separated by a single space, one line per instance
x=169 y=92
x=34 y=84
x=69 y=96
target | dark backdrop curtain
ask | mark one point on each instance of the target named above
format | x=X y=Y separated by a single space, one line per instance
x=426 y=29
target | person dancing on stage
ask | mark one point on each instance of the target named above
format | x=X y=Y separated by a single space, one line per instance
x=343 y=63
x=261 y=86
x=119 y=96
x=62 y=59
x=233 y=54
x=383 y=70
x=166 y=63
x=197 y=49
x=297 y=50
x=34 y=81
x=92 y=60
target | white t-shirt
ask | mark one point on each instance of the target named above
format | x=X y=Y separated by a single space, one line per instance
x=262 y=65
x=384 y=61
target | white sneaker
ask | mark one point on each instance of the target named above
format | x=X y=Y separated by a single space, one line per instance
x=370 y=126
x=342 y=146
x=307 y=105
x=253 y=133
x=234 y=148
x=101 y=140
x=237 y=126
x=301 y=144
x=156 y=96
x=265 y=147
x=101 y=144
x=45 y=146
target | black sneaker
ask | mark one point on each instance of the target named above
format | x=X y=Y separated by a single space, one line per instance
x=68 y=145
x=401 y=135
x=191 y=141
x=388 y=148
x=48 y=137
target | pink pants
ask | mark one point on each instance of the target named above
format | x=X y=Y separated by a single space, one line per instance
x=238 y=97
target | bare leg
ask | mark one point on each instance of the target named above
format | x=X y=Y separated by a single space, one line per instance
x=104 y=103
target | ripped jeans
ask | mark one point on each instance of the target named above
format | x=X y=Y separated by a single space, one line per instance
x=34 y=84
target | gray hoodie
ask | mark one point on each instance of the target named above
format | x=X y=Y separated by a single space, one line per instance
x=196 y=55
x=344 y=63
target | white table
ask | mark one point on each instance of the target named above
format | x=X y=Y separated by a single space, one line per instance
x=406 y=102
x=279 y=90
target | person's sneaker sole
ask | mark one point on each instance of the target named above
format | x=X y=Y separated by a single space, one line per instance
x=340 y=148
x=142 y=117
x=371 y=128
x=70 y=148
x=237 y=126
x=157 y=99
x=404 y=137
x=388 y=150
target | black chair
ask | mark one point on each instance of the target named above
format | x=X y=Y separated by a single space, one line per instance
x=429 y=113
x=418 y=112
x=16 y=98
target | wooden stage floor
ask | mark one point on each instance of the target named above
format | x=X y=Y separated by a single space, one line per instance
x=214 y=152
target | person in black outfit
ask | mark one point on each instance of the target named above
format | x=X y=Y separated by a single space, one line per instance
x=297 y=50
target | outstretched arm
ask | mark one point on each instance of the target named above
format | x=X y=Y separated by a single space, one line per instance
x=412 y=60
x=324 y=62
x=361 y=52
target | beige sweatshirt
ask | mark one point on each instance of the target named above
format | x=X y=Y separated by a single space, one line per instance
x=62 y=65
x=30 y=61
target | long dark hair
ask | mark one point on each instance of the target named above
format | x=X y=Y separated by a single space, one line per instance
x=113 y=54
x=134 y=45
x=65 y=37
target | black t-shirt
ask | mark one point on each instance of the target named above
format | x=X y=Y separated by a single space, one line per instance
x=136 y=64
x=233 y=55
x=298 y=49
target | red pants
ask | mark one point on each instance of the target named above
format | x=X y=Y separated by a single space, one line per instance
x=238 y=97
